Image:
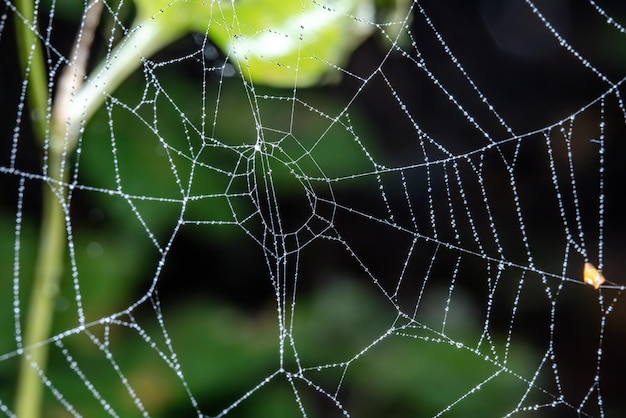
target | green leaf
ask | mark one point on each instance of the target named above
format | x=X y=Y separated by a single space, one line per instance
x=274 y=42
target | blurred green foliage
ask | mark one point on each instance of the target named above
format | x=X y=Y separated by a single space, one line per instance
x=224 y=351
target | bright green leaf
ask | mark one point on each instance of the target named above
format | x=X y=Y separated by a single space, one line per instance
x=274 y=42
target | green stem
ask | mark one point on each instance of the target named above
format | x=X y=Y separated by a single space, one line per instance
x=48 y=267
x=69 y=114
x=31 y=61
x=143 y=41
x=48 y=271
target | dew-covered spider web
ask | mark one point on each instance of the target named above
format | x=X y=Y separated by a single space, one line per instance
x=405 y=237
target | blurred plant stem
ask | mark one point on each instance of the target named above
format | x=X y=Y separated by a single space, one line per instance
x=73 y=106
x=48 y=271
x=49 y=263
x=31 y=62
x=142 y=41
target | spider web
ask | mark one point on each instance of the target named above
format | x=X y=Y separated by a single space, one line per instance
x=407 y=242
